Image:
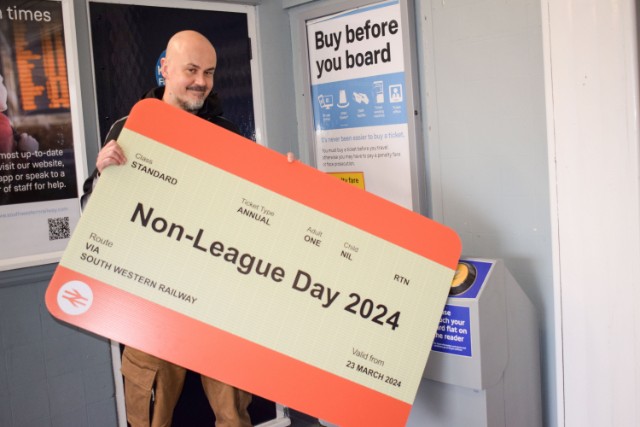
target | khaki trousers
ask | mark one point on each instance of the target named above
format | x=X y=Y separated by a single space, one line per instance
x=146 y=376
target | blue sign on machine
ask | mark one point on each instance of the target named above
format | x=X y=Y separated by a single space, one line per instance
x=453 y=335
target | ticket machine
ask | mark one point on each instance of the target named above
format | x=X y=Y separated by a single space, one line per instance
x=484 y=366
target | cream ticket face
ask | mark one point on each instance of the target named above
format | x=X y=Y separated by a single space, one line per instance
x=219 y=255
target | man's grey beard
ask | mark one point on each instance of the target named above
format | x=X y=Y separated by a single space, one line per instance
x=193 y=106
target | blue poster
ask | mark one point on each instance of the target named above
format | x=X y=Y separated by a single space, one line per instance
x=359 y=99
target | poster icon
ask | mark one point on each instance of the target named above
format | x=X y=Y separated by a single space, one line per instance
x=326 y=101
x=342 y=99
x=378 y=89
x=395 y=93
x=360 y=98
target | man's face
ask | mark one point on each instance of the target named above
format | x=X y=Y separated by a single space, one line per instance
x=188 y=73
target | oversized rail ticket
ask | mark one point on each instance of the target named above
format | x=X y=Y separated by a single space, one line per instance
x=219 y=255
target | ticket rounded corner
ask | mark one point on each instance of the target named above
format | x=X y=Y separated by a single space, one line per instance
x=455 y=242
x=146 y=104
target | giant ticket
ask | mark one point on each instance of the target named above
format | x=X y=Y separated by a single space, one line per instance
x=219 y=255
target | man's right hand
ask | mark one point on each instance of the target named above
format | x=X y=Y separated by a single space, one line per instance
x=111 y=154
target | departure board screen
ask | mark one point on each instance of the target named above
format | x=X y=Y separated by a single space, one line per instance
x=37 y=44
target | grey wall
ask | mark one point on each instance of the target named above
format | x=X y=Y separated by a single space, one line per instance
x=483 y=85
x=277 y=70
x=51 y=374
x=91 y=132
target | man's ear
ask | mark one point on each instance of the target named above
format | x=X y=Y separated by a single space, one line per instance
x=163 y=67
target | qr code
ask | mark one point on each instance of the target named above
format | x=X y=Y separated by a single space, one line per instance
x=59 y=228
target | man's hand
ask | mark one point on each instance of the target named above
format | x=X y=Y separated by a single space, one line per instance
x=111 y=154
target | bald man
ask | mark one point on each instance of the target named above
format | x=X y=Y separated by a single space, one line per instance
x=188 y=69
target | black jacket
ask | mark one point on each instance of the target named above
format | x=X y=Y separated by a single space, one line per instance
x=211 y=111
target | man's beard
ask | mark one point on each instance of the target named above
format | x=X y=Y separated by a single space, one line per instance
x=192 y=106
